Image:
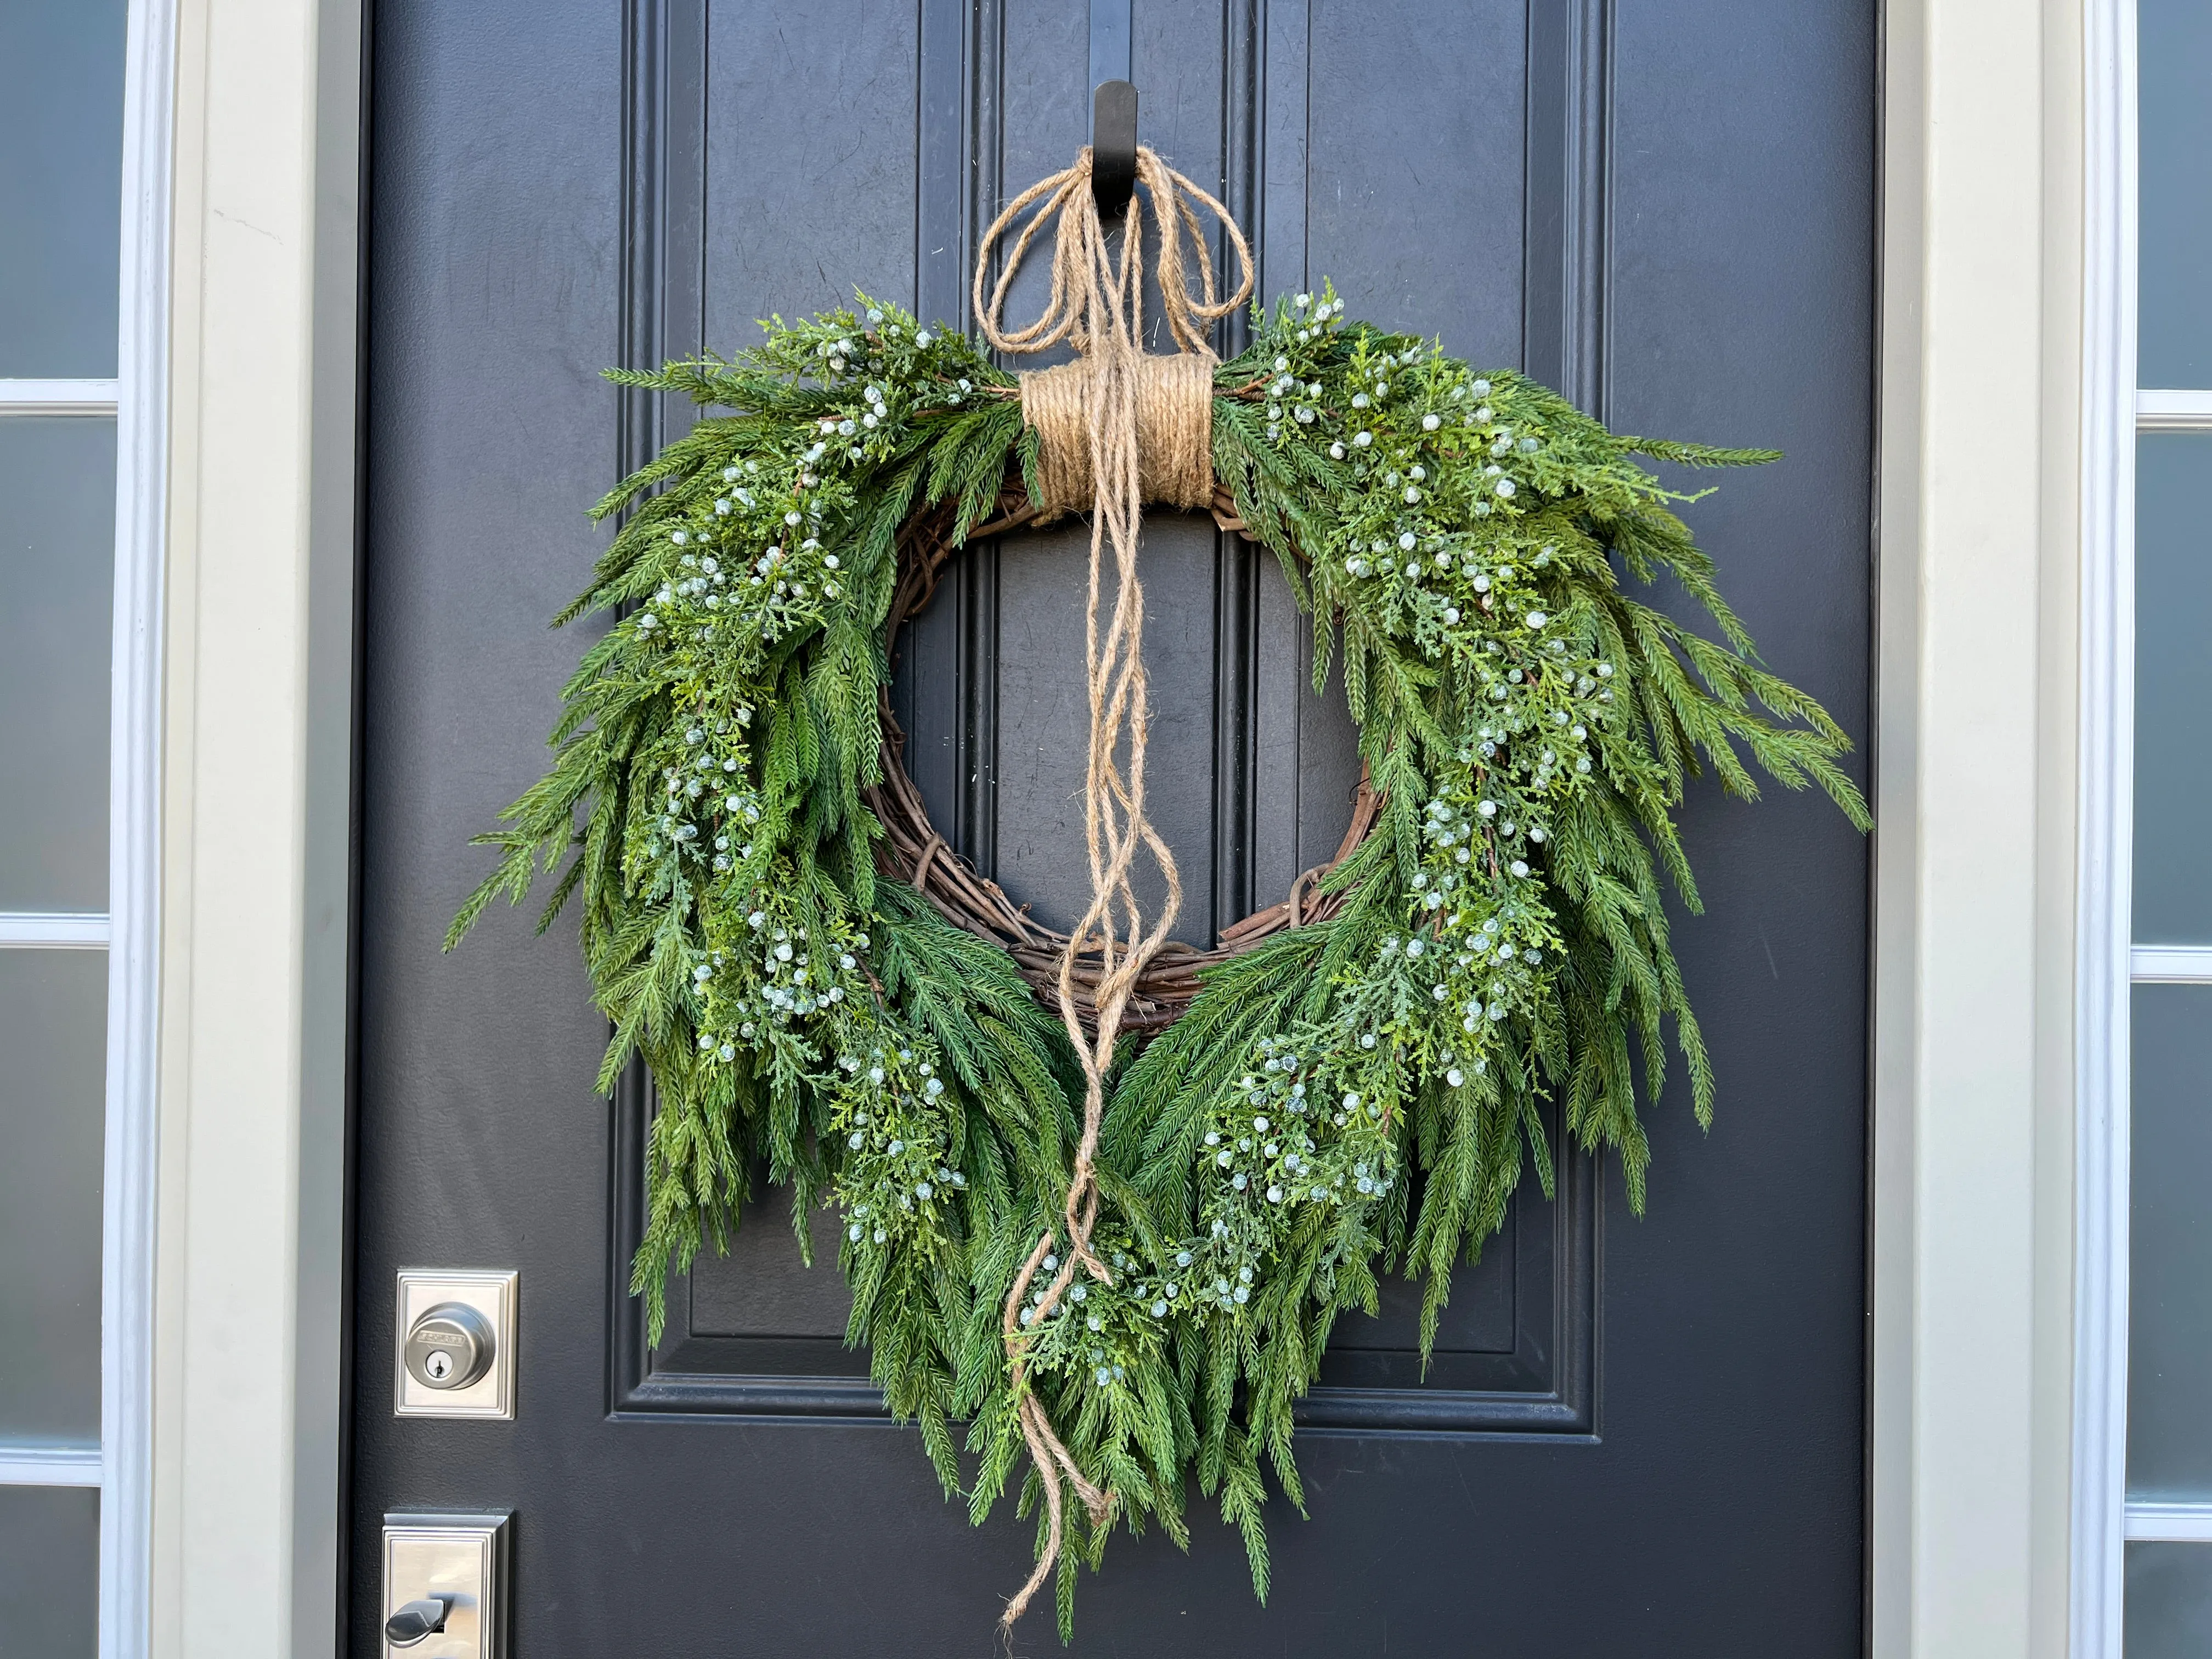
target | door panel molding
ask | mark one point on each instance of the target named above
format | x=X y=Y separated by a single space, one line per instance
x=1545 y=1383
x=1273 y=740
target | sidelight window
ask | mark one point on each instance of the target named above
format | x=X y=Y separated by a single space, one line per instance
x=81 y=310
x=2147 y=1215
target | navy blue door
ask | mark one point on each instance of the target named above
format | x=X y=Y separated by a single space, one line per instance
x=1639 y=1436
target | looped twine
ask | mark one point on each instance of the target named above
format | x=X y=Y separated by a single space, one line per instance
x=1094 y=417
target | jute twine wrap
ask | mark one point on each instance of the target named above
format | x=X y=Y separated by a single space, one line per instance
x=1174 y=432
x=1117 y=428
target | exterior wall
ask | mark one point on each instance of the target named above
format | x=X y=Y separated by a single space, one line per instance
x=257 y=760
x=1978 y=569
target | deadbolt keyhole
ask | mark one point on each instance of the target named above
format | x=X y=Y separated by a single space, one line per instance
x=449 y=1346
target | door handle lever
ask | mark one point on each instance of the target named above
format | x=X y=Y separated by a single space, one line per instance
x=417 y=1620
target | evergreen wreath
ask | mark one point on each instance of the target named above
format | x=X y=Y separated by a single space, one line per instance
x=1351 y=1082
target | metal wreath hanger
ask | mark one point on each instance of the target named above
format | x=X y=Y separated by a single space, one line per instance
x=1113 y=146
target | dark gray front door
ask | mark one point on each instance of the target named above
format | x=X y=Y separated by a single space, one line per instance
x=1639 y=1436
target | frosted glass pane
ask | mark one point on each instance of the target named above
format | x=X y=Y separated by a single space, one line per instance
x=2170 y=1298
x=49 y=1570
x=2175 y=92
x=56 y=577
x=61 y=187
x=54 y=1035
x=2173 y=680
x=2169 y=1606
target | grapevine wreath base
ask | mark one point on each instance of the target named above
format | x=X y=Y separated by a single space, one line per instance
x=913 y=851
x=1126 y=1263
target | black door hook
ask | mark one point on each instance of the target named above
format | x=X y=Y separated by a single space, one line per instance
x=1113 y=146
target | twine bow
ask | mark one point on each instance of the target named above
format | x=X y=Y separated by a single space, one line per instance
x=1121 y=428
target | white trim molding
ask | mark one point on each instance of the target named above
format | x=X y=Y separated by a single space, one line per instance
x=2102 y=963
x=1979 y=603
x=2169 y=411
x=132 y=928
x=255 y=801
x=62 y=397
x=52 y=930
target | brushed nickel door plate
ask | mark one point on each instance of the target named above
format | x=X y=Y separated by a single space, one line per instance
x=453 y=1343
x=446 y=1586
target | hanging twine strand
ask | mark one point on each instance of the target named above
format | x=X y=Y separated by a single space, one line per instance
x=1115 y=429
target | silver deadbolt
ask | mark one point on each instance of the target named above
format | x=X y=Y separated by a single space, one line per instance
x=450 y=1347
x=452 y=1343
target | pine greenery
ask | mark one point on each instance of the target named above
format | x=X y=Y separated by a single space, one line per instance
x=1530 y=726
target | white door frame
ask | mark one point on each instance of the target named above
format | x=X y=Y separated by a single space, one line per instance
x=1991 y=300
